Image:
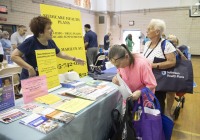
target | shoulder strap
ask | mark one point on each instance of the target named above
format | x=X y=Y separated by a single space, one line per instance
x=163 y=44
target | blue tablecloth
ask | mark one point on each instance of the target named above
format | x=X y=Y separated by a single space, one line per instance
x=92 y=123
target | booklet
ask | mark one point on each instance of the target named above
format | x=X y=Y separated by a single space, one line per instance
x=11 y=115
x=40 y=123
x=57 y=115
x=29 y=107
x=7 y=94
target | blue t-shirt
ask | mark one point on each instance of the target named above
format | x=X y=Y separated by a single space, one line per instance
x=91 y=38
x=28 y=48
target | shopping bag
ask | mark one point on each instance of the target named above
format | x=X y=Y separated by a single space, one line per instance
x=148 y=126
x=122 y=128
x=167 y=123
x=176 y=79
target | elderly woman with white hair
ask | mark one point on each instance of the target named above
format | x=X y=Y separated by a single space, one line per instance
x=153 y=51
x=6 y=43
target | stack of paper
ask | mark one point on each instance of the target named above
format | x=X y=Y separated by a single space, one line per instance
x=75 y=105
x=48 y=99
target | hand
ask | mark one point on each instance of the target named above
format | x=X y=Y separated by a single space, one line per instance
x=31 y=72
x=80 y=61
x=115 y=80
x=135 y=95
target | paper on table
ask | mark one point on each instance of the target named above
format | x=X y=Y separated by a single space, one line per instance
x=74 y=105
x=124 y=89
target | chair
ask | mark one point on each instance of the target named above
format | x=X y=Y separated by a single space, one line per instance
x=98 y=63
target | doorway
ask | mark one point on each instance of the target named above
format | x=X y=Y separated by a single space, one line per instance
x=136 y=34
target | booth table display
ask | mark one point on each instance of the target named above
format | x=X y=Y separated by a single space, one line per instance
x=92 y=123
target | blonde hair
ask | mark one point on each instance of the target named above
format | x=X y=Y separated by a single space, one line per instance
x=173 y=38
x=158 y=24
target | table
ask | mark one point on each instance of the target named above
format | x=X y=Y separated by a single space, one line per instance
x=10 y=70
x=92 y=123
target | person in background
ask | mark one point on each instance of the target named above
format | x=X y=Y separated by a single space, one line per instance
x=171 y=95
x=107 y=41
x=1 y=34
x=146 y=39
x=6 y=44
x=91 y=45
x=42 y=39
x=18 y=37
x=163 y=36
x=1 y=54
x=129 y=42
x=174 y=40
x=153 y=50
x=134 y=69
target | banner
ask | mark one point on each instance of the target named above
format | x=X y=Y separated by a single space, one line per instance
x=67 y=27
x=46 y=61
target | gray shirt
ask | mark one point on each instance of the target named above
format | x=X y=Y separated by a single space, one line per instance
x=17 y=39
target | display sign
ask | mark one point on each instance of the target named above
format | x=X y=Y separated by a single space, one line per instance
x=67 y=27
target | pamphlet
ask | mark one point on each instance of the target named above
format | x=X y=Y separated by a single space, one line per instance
x=29 y=107
x=57 y=115
x=11 y=115
x=7 y=94
x=40 y=123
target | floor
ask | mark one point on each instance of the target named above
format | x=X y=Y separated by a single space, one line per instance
x=187 y=127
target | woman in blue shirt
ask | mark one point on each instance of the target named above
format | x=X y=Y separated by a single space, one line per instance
x=42 y=39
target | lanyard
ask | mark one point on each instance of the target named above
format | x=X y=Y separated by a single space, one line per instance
x=152 y=49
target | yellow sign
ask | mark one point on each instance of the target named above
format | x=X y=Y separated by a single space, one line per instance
x=46 y=62
x=67 y=27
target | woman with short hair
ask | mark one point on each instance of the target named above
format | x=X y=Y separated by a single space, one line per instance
x=42 y=39
x=154 y=53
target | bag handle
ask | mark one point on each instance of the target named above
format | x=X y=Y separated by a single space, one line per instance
x=148 y=92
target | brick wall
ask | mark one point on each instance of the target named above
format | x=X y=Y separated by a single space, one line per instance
x=178 y=22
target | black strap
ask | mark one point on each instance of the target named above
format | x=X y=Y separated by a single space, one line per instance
x=152 y=49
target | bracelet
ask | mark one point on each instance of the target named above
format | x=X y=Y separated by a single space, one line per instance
x=74 y=59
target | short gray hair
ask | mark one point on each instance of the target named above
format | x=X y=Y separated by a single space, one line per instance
x=158 y=24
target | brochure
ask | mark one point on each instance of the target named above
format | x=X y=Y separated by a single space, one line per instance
x=72 y=84
x=29 y=107
x=7 y=94
x=11 y=115
x=40 y=123
x=57 y=115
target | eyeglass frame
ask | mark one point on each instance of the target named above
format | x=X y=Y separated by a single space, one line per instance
x=118 y=58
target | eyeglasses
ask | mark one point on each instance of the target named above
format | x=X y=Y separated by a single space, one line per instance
x=118 y=58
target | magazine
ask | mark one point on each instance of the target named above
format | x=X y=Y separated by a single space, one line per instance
x=40 y=123
x=11 y=115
